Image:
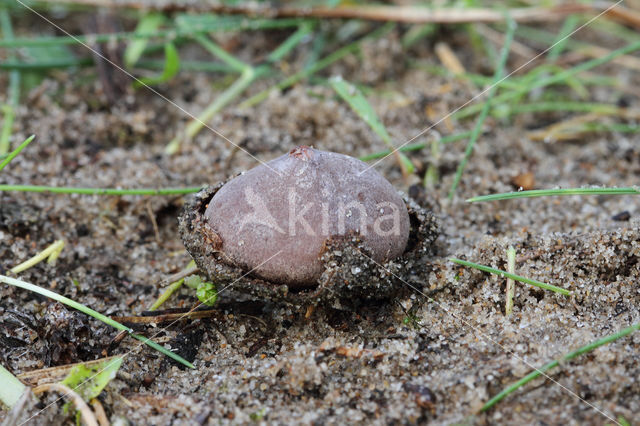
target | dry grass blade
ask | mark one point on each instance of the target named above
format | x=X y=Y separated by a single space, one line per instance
x=98 y=409
x=574 y=127
x=56 y=374
x=449 y=58
x=406 y=14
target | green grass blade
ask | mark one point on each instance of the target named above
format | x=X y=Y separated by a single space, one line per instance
x=416 y=146
x=168 y=292
x=512 y=276
x=53 y=54
x=317 y=66
x=89 y=381
x=171 y=288
x=564 y=106
x=317 y=46
x=560 y=42
x=217 y=51
x=46 y=65
x=147 y=341
x=613 y=127
x=11 y=389
x=171 y=68
x=97 y=315
x=16 y=151
x=555 y=192
x=513 y=82
x=358 y=103
x=499 y=72
x=147 y=25
x=198 y=66
x=207 y=23
x=248 y=75
x=9 y=110
x=417 y=33
x=539 y=372
x=291 y=42
x=100 y=191
x=356 y=100
x=560 y=77
x=240 y=85
x=613 y=28
x=239 y=23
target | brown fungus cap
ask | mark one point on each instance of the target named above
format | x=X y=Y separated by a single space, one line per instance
x=274 y=219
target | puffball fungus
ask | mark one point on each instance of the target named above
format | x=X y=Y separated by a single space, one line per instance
x=305 y=222
x=274 y=219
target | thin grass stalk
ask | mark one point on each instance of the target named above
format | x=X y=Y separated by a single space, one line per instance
x=95 y=314
x=9 y=109
x=540 y=371
x=499 y=72
x=555 y=192
x=100 y=191
x=515 y=277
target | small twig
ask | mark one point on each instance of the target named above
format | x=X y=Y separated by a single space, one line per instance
x=405 y=14
x=227 y=161
x=154 y=223
x=558 y=131
x=175 y=281
x=451 y=62
x=116 y=340
x=87 y=415
x=189 y=270
x=159 y=319
x=449 y=58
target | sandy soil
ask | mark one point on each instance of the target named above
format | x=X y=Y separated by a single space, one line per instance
x=264 y=361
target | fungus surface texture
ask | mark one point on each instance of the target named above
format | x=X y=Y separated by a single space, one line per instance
x=275 y=219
